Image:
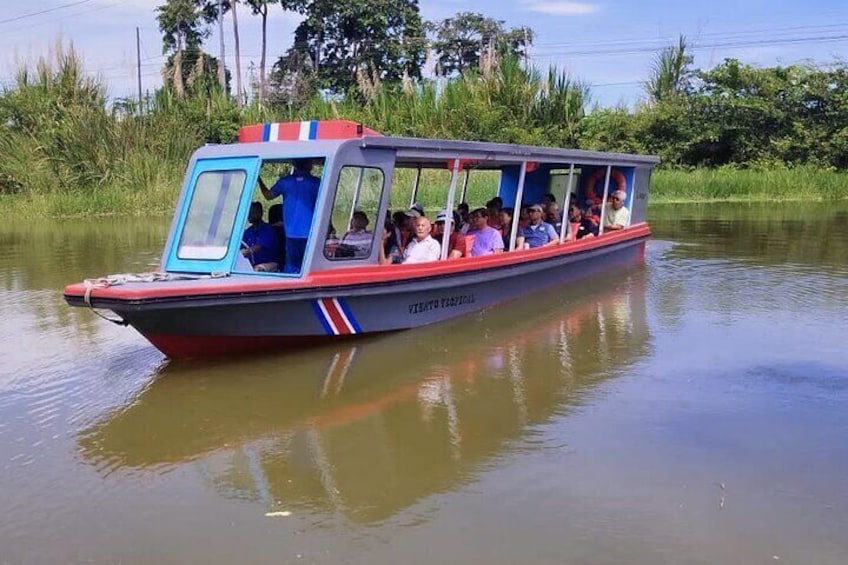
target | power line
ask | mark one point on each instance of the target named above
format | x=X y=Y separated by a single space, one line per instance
x=64 y=17
x=724 y=35
x=38 y=13
x=718 y=45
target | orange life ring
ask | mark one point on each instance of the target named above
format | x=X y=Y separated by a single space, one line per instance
x=617 y=182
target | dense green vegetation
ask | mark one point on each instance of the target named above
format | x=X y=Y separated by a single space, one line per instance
x=735 y=132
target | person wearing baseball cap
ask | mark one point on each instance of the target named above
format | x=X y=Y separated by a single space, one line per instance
x=538 y=233
x=416 y=210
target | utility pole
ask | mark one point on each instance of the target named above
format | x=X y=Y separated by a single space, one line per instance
x=138 y=67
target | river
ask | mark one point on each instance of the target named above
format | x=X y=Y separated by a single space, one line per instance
x=690 y=410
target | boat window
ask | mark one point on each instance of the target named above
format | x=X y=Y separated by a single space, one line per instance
x=355 y=213
x=211 y=214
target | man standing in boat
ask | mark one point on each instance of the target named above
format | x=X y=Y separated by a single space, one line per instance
x=299 y=190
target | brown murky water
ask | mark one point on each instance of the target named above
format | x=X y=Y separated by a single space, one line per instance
x=689 y=411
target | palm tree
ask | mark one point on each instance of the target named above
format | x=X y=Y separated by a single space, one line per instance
x=669 y=72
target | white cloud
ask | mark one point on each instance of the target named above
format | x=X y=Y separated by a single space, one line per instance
x=561 y=7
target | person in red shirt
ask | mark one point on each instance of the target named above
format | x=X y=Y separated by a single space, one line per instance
x=457 y=243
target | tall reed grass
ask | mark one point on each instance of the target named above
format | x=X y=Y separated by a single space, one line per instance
x=66 y=150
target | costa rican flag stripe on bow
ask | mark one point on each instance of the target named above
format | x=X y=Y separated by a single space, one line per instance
x=335 y=316
x=303 y=131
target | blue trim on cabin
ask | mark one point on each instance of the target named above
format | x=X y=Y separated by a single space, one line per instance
x=266 y=132
x=228 y=165
x=313 y=129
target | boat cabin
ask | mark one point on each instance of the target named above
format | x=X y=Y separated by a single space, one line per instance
x=350 y=179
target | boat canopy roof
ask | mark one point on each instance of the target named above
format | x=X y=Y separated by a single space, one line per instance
x=314 y=138
x=484 y=155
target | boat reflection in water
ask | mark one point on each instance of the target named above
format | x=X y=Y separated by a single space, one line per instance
x=372 y=428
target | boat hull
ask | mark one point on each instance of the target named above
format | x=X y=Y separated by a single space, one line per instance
x=203 y=328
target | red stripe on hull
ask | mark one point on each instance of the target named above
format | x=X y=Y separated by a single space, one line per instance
x=335 y=316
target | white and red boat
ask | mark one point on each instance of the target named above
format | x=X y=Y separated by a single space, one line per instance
x=208 y=300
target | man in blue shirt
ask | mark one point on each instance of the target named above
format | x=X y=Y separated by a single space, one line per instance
x=299 y=190
x=259 y=242
x=538 y=233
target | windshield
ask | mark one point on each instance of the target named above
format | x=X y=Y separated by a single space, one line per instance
x=211 y=215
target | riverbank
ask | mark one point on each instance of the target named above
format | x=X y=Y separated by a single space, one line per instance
x=667 y=186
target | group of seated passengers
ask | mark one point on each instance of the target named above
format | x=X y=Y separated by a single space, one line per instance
x=263 y=243
x=410 y=237
x=487 y=230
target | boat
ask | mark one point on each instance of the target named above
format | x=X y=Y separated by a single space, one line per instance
x=206 y=298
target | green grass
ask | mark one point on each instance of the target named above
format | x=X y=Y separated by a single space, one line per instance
x=748 y=185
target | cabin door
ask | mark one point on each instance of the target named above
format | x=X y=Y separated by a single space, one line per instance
x=205 y=238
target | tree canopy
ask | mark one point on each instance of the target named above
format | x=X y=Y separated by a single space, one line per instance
x=346 y=38
x=461 y=41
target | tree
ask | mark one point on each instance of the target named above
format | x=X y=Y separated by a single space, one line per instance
x=293 y=80
x=383 y=39
x=237 y=50
x=670 y=72
x=260 y=7
x=462 y=41
x=183 y=26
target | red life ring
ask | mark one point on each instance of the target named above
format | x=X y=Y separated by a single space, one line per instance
x=617 y=182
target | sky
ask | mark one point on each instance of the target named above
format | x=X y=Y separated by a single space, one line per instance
x=607 y=44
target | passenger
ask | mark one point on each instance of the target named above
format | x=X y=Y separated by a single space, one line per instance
x=538 y=233
x=275 y=218
x=417 y=207
x=523 y=217
x=494 y=207
x=553 y=215
x=299 y=190
x=457 y=243
x=398 y=234
x=356 y=242
x=549 y=198
x=617 y=216
x=506 y=220
x=259 y=242
x=420 y=249
x=581 y=225
x=463 y=214
x=487 y=240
